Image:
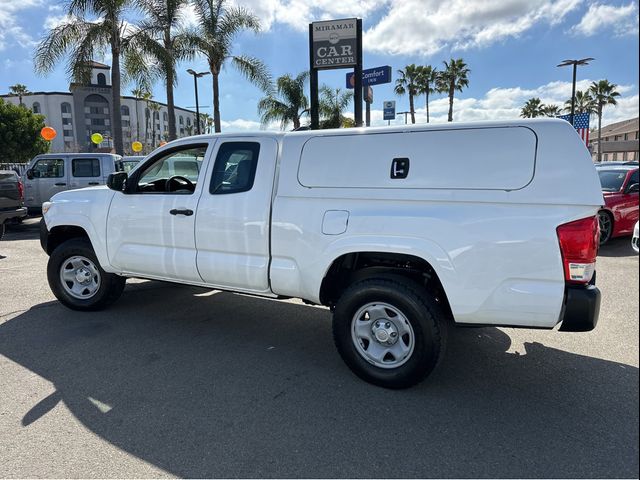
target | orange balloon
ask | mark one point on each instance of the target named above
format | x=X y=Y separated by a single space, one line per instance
x=48 y=133
x=162 y=144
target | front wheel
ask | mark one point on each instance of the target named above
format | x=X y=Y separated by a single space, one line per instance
x=78 y=281
x=606 y=226
x=389 y=331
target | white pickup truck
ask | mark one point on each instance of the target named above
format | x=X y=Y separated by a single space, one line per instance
x=400 y=231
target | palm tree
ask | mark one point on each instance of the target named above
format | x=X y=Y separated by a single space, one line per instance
x=218 y=25
x=286 y=102
x=19 y=90
x=551 y=110
x=154 y=108
x=408 y=83
x=333 y=102
x=455 y=76
x=532 y=108
x=138 y=93
x=584 y=103
x=427 y=80
x=207 y=121
x=603 y=93
x=156 y=47
x=81 y=40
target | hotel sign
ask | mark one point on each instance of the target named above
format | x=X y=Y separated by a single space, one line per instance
x=334 y=44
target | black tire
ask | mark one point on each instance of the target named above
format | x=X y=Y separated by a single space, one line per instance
x=110 y=286
x=606 y=226
x=2 y=230
x=428 y=322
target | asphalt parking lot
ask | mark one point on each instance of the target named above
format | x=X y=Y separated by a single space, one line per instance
x=177 y=381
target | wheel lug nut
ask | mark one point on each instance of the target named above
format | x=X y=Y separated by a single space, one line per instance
x=387 y=325
x=377 y=324
x=394 y=334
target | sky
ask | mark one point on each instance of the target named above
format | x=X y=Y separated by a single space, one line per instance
x=512 y=48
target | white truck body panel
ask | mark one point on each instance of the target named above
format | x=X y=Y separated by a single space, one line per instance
x=481 y=205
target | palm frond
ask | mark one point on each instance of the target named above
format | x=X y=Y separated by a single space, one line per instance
x=253 y=69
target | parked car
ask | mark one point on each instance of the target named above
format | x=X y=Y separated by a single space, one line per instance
x=12 y=207
x=130 y=162
x=51 y=173
x=634 y=238
x=368 y=222
x=620 y=189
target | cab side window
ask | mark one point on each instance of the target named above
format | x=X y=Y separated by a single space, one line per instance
x=85 y=167
x=49 y=168
x=176 y=171
x=235 y=167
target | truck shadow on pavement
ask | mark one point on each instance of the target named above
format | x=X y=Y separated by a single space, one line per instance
x=229 y=386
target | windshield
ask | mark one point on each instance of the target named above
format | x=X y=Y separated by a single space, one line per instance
x=612 y=180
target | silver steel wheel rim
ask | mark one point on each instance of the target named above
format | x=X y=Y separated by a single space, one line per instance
x=382 y=335
x=80 y=277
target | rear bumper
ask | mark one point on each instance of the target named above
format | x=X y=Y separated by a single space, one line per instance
x=581 y=308
x=19 y=212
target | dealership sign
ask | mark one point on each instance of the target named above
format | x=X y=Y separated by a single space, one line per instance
x=334 y=44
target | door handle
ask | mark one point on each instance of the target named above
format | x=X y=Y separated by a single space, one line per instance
x=94 y=183
x=184 y=211
x=60 y=184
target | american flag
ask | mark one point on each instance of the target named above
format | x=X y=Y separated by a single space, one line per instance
x=581 y=124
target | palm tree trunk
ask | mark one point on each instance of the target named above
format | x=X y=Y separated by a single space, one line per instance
x=216 y=101
x=427 y=102
x=170 y=80
x=115 y=89
x=599 y=133
x=413 y=113
x=137 y=121
x=296 y=122
x=451 y=93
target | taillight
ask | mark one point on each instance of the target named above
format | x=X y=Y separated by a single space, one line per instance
x=579 y=242
x=20 y=191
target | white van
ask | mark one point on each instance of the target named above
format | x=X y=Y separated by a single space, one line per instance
x=51 y=173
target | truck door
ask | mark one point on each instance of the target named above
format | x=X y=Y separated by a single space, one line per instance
x=50 y=176
x=85 y=172
x=150 y=227
x=233 y=219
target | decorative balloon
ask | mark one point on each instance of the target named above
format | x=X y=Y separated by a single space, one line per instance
x=97 y=138
x=48 y=133
x=136 y=146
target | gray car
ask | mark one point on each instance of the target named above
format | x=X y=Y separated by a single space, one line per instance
x=51 y=173
x=12 y=207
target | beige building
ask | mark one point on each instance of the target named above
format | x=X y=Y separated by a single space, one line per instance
x=619 y=141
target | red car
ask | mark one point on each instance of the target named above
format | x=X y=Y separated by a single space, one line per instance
x=620 y=190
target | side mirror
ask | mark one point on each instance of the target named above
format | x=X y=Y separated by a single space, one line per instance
x=116 y=181
x=30 y=174
x=633 y=188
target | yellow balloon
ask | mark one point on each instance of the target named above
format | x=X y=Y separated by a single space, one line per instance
x=136 y=146
x=97 y=138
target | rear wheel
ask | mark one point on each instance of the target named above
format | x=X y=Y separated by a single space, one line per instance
x=78 y=281
x=606 y=226
x=389 y=331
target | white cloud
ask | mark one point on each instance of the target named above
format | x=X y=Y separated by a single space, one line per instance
x=623 y=20
x=11 y=32
x=427 y=26
x=506 y=103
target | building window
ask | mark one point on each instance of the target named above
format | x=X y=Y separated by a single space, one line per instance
x=126 y=123
x=165 y=117
x=624 y=156
x=181 y=120
x=102 y=80
x=36 y=107
x=66 y=121
x=65 y=107
x=124 y=110
x=626 y=136
x=615 y=156
x=67 y=133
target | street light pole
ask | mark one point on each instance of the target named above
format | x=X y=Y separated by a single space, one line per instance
x=405 y=115
x=574 y=63
x=195 y=85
